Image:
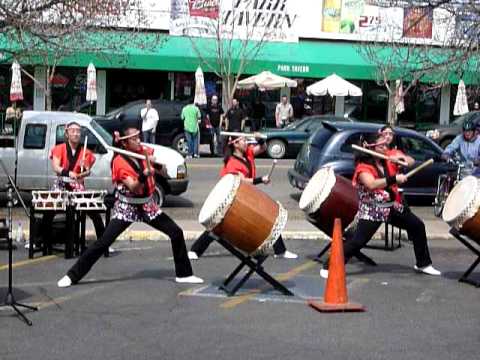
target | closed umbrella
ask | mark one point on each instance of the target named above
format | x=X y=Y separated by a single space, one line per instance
x=266 y=81
x=91 y=83
x=399 y=103
x=200 y=93
x=16 y=92
x=461 y=104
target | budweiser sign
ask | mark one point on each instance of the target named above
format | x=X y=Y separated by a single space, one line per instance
x=204 y=8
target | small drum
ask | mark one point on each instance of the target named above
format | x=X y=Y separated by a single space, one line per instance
x=461 y=208
x=243 y=215
x=88 y=200
x=50 y=200
x=328 y=196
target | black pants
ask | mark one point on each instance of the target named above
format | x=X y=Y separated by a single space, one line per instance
x=404 y=220
x=255 y=124
x=162 y=223
x=47 y=221
x=204 y=241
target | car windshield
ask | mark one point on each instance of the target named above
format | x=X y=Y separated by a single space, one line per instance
x=102 y=132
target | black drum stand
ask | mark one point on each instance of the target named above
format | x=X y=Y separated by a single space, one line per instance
x=255 y=266
x=468 y=242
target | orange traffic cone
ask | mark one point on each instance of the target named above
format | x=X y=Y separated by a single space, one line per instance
x=336 y=298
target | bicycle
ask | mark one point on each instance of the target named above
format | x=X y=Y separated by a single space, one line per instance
x=447 y=181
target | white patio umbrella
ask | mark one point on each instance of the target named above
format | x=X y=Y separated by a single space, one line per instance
x=200 y=93
x=266 y=81
x=91 y=83
x=16 y=92
x=461 y=104
x=333 y=85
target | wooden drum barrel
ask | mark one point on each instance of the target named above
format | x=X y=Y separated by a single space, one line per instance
x=461 y=210
x=243 y=215
x=328 y=196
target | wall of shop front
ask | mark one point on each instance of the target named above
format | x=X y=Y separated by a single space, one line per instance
x=117 y=87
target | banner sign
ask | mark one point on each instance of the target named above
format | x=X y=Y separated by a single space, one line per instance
x=272 y=20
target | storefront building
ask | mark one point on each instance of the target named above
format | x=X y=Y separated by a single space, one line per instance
x=313 y=47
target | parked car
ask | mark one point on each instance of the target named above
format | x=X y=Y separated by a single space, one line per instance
x=331 y=146
x=27 y=159
x=289 y=140
x=170 y=131
x=444 y=134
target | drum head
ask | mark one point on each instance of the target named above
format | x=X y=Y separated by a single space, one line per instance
x=462 y=199
x=218 y=201
x=317 y=190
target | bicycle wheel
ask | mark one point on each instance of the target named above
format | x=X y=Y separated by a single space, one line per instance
x=442 y=194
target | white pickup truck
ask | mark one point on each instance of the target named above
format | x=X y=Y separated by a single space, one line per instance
x=40 y=131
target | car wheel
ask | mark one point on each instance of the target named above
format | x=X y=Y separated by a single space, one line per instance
x=159 y=195
x=180 y=144
x=276 y=149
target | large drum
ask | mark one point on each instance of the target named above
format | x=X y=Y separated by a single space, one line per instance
x=461 y=208
x=328 y=196
x=241 y=214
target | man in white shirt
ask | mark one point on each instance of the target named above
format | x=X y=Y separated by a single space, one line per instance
x=283 y=112
x=149 y=122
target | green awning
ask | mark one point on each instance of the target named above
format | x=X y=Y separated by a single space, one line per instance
x=307 y=58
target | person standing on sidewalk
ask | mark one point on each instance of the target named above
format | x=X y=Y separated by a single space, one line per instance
x=150 y=119
x=240 y=160
x=378 y=202
x=258 y=114
x=215 y=117
x=191 y=117
x=135 y=185
x=235 y=117
x=283 y=112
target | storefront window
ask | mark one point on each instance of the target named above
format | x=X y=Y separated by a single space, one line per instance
x=124 y=86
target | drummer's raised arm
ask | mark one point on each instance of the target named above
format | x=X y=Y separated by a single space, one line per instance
x=261 y=146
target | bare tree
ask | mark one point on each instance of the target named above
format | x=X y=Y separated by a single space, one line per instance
x=231 y=34
x=410 y=52
x=45 y=32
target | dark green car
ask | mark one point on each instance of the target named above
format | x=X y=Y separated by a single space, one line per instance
x=288 y=141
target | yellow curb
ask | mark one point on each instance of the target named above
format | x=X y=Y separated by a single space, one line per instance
x=29 y=262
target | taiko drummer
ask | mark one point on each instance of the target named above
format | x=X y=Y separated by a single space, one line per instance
x=135 y=185
x=240 y=160
x=71 y=162
x=378 y=202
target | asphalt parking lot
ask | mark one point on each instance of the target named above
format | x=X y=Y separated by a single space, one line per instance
x=130 y=307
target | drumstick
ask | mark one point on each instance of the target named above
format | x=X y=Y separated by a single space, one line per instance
x=378 y=155
x=271 y=169
x=235 y=133
x=148 y=161
x=83 y=156
x=131 y=154
x=418 y=168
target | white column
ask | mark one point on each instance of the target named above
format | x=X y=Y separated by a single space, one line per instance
x=101 y=92
x=339 y=106
x=171 y=77
x=40 y=74
x=445 y=105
